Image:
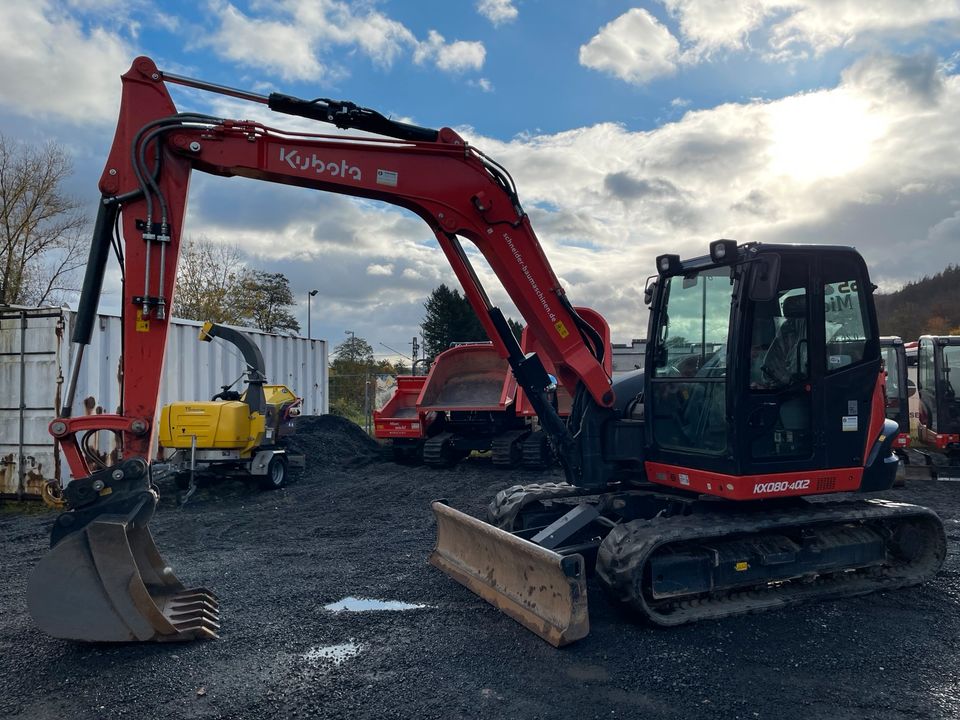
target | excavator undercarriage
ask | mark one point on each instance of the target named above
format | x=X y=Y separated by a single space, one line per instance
x=672 y=559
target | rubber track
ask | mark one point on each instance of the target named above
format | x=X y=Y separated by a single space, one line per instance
x=433 y=454
x=503 y=447
x=506 y=505
x=537 y=453
x=628 y=547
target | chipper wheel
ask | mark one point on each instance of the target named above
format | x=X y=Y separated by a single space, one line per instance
x=104 y=580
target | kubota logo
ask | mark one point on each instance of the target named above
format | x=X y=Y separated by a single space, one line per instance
x=296 y=161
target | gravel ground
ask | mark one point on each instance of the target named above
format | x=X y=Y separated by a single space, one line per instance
x=354 y=527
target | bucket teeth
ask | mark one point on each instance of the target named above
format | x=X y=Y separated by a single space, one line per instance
x=194 y=613
x=196 y=595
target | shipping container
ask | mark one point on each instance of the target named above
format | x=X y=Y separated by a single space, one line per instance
x=36 y=357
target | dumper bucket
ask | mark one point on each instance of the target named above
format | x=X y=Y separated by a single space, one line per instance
x=106 y=582
x=542 y=590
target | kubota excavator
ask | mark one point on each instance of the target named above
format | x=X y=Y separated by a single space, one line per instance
x=684 y=486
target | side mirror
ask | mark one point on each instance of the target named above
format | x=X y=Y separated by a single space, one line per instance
x=649 y=291
x=765 y=278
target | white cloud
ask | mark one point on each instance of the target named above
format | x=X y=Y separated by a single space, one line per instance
x=787 y=29
x=635 y=47
x=497 y=11
x=375 y=269
x=457 y=56
x=294 y=38
x=53 y=66
x=283 y=48
x=483 y=83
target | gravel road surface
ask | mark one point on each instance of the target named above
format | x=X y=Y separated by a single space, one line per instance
x=353 y=527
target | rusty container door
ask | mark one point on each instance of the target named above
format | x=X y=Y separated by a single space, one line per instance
x=31 y=378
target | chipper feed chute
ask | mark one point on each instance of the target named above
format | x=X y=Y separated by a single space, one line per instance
x=104 y=580
x=542 y=590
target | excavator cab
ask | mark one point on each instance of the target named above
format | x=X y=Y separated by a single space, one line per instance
x=766 y=365
x=938 y=380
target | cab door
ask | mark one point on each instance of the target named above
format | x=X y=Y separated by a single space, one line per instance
x=851 y=365
x=778 y=401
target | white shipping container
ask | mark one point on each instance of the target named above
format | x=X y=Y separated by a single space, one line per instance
x=36 y=357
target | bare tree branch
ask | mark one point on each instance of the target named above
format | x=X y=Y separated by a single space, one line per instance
x=40 y=226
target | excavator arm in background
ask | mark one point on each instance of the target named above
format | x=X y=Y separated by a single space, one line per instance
x=123 y=590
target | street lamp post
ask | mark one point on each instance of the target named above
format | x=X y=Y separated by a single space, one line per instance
x=309 y=295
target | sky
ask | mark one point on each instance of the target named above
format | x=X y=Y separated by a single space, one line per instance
x=631 y=129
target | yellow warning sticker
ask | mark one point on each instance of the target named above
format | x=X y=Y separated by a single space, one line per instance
x=561 y=328
x=142 y=325
x=741 y=566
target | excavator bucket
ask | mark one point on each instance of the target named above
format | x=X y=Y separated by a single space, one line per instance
x=108 y=583
x=542 y=590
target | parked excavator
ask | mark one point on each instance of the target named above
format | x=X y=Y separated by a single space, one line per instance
x=938 y=429
x=684 y=485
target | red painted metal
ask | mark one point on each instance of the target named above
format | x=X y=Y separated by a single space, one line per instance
x=755 y=487
x=444 y=182
x=399 y=418
x=941 y=441
x=528 y=343
x=472 y=378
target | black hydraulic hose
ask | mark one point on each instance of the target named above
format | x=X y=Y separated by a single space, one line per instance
x=148 y=181
x=100 y=248
x=532 y=377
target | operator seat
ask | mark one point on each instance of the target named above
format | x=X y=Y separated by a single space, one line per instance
x=786 y=360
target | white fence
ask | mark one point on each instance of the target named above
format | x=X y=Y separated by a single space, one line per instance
x=35 y=361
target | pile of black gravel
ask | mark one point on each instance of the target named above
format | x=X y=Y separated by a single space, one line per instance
x=332 y=441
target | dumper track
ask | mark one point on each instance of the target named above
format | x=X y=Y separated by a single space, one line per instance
x=537 y=453
x=507 y=448
x=915 y=549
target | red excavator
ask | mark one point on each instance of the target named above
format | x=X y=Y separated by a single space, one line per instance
x=684 y=486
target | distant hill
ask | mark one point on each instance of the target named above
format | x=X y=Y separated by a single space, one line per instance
x=929 y=306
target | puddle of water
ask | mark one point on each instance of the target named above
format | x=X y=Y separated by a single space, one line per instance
x=334 y=653
x=352 y=604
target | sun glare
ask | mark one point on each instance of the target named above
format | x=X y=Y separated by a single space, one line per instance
x=821 y=135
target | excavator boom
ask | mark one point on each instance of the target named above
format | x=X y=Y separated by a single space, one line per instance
x=101 y=541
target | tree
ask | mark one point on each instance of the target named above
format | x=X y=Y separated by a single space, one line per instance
x=40 y=227
x=264 y=299
x=449 y=319
x=350 y=371
x=209 y=279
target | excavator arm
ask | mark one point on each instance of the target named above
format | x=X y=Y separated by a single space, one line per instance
x=120 y=587
x=458 y=191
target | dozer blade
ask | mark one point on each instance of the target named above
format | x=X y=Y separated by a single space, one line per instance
x=542 y=590
x=108 y=583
